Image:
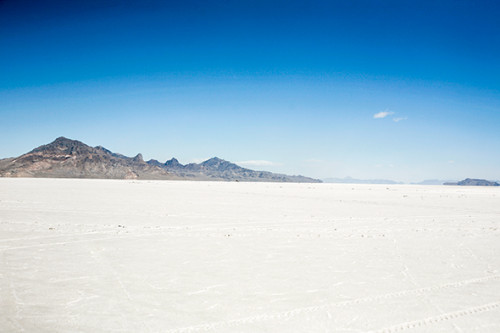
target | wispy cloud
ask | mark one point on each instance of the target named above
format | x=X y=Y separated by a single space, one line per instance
x=382 y=114
x=387 y=113
x=254 y=163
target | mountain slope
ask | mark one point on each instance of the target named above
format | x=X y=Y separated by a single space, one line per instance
x=219 y=169
x=65 y=158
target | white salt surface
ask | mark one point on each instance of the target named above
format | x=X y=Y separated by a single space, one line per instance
x=166 y=256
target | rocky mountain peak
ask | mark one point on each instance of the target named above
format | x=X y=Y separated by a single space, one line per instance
x=213 y=161
x=216 y=163
x=63 y=145
x=64 y=142
x=138 y=158
x=154 y=162
x=173 y=163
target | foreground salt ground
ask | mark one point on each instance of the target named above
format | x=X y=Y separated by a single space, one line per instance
x=166 y=256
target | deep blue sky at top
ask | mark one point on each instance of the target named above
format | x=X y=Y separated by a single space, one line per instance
x=294 y=83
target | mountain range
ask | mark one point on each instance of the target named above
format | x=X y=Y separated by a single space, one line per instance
x=66 y=158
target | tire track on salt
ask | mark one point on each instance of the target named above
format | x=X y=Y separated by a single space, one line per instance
x=309 y=309
x=440 y=318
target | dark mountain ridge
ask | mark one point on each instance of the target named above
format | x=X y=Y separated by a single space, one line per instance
x=66 y=158
x=473 y=182
x=225 y=170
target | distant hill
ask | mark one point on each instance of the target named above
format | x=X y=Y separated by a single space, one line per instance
x=433 y=182
x=349 y=180
x=66 y=158
x=474 y=182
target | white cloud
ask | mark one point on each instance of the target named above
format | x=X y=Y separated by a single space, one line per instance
x=397 y=120
x=382 y=114
x=257 y=163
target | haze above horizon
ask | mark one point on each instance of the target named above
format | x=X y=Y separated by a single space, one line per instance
x=367 y=89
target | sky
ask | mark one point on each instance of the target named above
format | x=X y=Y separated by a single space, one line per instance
x=401 y=90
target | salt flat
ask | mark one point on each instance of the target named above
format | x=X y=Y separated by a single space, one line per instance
x=167 y=256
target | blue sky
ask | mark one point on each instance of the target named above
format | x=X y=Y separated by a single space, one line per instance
x=285 y=86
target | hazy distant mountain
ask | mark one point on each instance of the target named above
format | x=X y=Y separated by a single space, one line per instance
x=349 y=180
x=433 y=182
x=65 y=158
x=474 y=182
